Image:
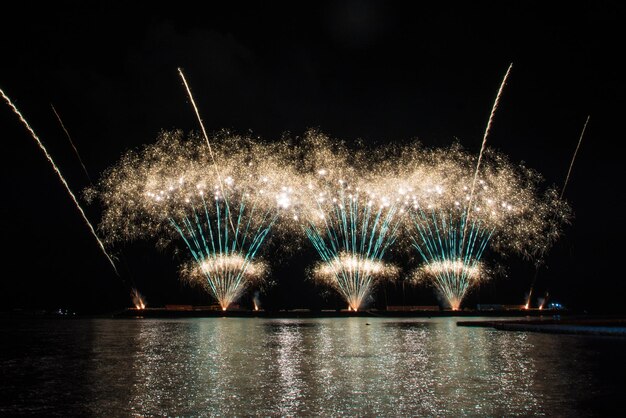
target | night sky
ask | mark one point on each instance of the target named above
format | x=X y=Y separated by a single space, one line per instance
x=374 y=71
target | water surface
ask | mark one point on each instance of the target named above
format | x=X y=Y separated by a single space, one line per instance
x=302 y=367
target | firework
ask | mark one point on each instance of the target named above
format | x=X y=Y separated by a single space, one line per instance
x=69 y=138
x=349 y=203
x=225 y=276
x=451 y=229
x=569 y=171
x=204 y=134
x=60 y=175
x=482 y=146
x=169 y=189
x=138 y=300
x=453 y=278
x=350 y=215
x=353 y=275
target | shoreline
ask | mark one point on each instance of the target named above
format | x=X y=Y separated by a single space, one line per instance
x=188 y=311
x=516 y=320
x=575 y=325
x=330 y=313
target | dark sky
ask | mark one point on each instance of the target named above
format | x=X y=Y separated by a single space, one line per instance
x=377 y=71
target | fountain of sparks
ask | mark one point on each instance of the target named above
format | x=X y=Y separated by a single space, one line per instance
x=438 y=224
x=170 y=187
x=349 y=216
x=454 y=268
x=454 y=264
x=224 y=258
x=139 y=302
x=507 y=213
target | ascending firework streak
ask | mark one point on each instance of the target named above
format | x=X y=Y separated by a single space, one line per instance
x=58 y=172
x=138 y=300
x=569 y=171
x=168 y=187
x=71 y=143
x=482 y=148
x=351 y=226
x=206 y=138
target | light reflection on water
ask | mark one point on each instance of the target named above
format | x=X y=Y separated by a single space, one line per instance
x=303 y=367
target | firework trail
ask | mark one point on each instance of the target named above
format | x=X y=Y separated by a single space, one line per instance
x=58 y=172
x=137 y=298
x=569 y=171
x=482 y=146
x=532 y=287
x=206 y=138
x=71 y=143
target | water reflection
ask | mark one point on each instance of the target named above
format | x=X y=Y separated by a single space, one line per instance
x=330 y=367
x=289 y=356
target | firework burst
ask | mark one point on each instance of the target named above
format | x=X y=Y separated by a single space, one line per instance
x=349 y=214
x=451 y=227
x=351 y=204
x=169 y=189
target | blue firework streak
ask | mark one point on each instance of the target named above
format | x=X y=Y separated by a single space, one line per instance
x=451 y=259
x=449 y=241
x=351 y=215
x=225 y=257
x=352 y=235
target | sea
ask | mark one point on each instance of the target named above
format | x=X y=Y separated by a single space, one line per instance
x=327 y=367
